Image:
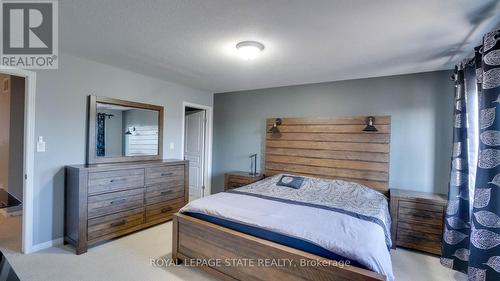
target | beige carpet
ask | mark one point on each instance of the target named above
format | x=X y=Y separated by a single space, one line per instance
x=128 y=258
x=10 y=232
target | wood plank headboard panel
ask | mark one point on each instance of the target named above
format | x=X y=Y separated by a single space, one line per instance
x=333 y=147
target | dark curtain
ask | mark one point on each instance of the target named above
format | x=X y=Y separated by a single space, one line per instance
x=471 y=240
x=101 y=127
x=455 y=251
x=485 y=227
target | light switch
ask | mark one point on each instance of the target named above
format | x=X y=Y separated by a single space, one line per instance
x=171 y=146
x=40 y=145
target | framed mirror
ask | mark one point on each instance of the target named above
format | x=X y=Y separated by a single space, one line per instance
x=121 y=131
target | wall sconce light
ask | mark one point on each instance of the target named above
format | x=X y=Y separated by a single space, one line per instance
x=130 y=131
x=370 y=121
x=274 y=129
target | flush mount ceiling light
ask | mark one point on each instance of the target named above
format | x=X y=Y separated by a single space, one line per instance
x=249 y=50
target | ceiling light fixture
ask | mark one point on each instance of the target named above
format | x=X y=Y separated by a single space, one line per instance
x=249 y=50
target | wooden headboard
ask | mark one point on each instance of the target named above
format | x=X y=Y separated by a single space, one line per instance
x=333 y=147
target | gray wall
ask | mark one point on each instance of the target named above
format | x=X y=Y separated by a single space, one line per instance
x=61 y=117
x=421 y=107
x=137 y=117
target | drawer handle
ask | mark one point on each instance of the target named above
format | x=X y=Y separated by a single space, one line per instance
x=118 y=180
x=416 y=237
x=166 y=209
x=119 y=201
x=422 y=216
x=165 y=192
x=122 y=222
x=166 y=174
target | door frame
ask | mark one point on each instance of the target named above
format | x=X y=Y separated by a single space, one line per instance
x=29 y=153
x=207 y=174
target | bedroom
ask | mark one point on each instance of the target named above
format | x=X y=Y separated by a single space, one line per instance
x=302 y=85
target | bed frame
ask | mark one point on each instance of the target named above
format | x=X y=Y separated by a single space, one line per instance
x=334 y=148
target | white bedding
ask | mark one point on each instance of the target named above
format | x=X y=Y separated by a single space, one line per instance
x=356 y=239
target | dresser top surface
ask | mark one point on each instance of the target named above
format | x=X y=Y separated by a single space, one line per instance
x=128 y=165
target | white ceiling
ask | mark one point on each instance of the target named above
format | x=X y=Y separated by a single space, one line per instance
x=192 y=42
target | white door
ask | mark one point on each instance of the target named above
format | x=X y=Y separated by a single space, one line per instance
x=194 y=151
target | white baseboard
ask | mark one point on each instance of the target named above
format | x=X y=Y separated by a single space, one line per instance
x=48 y=244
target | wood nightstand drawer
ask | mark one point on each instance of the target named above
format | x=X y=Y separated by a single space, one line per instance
x=420 y=227
x=419 y=240
x=239 y=179
x=236 y=182
x=420 y=216
x=420 y=206
x=414 y=234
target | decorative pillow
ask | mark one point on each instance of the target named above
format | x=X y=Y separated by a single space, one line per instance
x=291 y=181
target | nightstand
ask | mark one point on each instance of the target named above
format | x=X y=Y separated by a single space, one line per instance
x=238 y=179
x=417 y=220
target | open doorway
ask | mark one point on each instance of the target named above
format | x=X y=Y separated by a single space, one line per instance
x=12 y=128
x=196 y=148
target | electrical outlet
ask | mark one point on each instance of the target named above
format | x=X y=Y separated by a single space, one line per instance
x=171 y=146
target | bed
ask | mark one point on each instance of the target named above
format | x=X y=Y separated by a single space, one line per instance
x=336 y=226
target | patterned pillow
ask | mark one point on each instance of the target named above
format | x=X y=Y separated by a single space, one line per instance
x=291 y=181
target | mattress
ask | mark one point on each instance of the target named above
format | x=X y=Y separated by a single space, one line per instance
x=331 y=218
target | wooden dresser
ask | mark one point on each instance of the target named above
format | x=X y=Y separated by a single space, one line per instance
x=104 y=201
x=417 y=220
x=239 y=179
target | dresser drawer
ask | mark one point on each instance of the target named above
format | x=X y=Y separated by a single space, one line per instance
x=101 y=182
x=164 y=174
x=100 y=205
x=163 y=192
x=163 y=211
x=420 y=216
x=114 y=225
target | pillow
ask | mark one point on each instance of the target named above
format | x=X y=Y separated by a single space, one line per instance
x=291 y=181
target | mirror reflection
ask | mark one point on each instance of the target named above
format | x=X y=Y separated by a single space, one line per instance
x=126 y=131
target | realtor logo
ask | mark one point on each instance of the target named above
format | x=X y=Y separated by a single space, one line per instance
x=29 y=34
